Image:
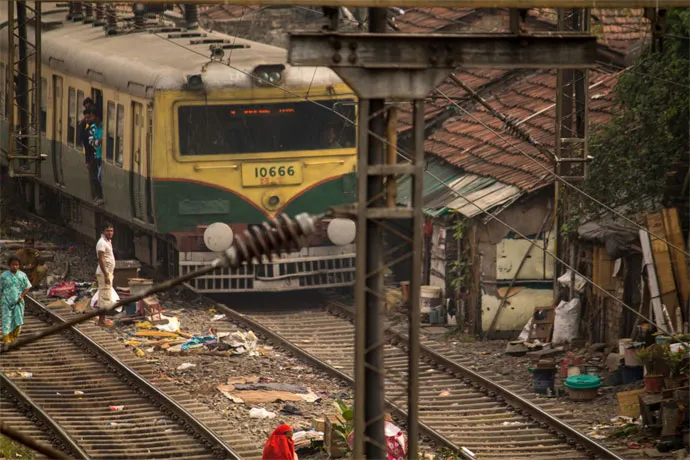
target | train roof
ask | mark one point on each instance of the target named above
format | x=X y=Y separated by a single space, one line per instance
x=151 y=60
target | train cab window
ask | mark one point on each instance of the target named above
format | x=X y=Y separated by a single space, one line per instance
x=44 y=105
x=120 y=135
x=71 y=116
x=267 y=127
x=110 y=133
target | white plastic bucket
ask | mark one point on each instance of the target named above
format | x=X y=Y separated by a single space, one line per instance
x=431 y=297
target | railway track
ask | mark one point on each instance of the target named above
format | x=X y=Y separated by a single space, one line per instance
x=458 y=407
x=78 y=375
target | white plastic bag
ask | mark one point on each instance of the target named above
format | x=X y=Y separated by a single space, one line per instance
x=524 y=335
x=261 y=413
x=566 y=322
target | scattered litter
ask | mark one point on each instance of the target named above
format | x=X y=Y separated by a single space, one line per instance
x=261 y=413
x=511 y=423
x=173 y=324
x=633 y=445
x=444 y=393
x=185 y=366
x=63 y=290
x=242 y=342
x=117 y=408
x=304 y=439
x=289 y=409
x=218 y=317
x=158 y=334
x=139 y=352
x=309 y=397
x=263 y=393
x=20 y=375
x=77 y=392
x=143 y=325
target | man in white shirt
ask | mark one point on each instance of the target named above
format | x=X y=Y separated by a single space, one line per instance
x=106 y=269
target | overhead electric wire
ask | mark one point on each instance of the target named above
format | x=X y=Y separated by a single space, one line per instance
x=560 y=178
x=458 y=194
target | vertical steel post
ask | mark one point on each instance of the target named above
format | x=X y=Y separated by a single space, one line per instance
x=417 y=179
x=360 y=280
x=369 y=339
x=22 y=81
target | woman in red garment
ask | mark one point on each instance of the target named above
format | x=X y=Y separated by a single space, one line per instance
x=280 y=445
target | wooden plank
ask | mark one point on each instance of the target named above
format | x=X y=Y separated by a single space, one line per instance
x=655 y=296
x=662 y=263
x=679 y=260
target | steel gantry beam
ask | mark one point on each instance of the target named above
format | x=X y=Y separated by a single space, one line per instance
x=383 y=68
x=434 y=3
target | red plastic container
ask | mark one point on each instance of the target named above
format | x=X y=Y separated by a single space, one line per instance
x=654 y=383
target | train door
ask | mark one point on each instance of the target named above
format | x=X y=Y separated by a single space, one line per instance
x=138 y=170
x=56 y=131
x=97 y=98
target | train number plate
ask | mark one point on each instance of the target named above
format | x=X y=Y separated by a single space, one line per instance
x=260 y=174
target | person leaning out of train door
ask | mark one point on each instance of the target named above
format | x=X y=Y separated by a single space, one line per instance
x=83 y=126
x=105 y=269
x=95 y=162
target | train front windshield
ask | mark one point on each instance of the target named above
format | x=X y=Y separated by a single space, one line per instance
x=270 y=127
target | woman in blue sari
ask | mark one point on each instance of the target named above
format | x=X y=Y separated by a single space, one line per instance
x=14 y=285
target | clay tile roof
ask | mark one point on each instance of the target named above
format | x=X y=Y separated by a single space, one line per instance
x=417 y=20
x=228 y=12
x=617 y=29
x=477 y=79
x=464 y=141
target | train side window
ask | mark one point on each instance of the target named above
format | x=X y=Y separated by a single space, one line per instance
x=80 y=105
x=44 y=105
x=120 y=135
x=110 y=133
x=71 y=116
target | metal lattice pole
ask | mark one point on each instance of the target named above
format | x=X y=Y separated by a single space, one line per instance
x=24 y=49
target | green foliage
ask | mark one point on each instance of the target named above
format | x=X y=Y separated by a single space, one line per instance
x=345 y=425
x=652 y=358
x=461 y=268
x=12 y=449
x=649 y=129
x=677 y=361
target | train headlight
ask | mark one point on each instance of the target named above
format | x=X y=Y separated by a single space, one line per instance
x=269 y=75
x=217 y=52
x=218 y=237
x=194 y=82
x=341 y=231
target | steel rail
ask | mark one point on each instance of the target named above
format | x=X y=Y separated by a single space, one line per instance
x=429 y=3
x=214 y=442
x=320 y=364
x=69 y=444
x=518 y=403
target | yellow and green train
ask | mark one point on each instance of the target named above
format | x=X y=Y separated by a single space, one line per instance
x=198 y=128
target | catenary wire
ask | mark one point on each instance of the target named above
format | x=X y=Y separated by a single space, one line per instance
x=458 y=194
x=558 y=177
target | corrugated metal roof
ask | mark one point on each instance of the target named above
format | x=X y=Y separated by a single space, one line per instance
x=448 y=188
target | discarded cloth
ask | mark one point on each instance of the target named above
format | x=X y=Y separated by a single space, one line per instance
x=63 y=290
